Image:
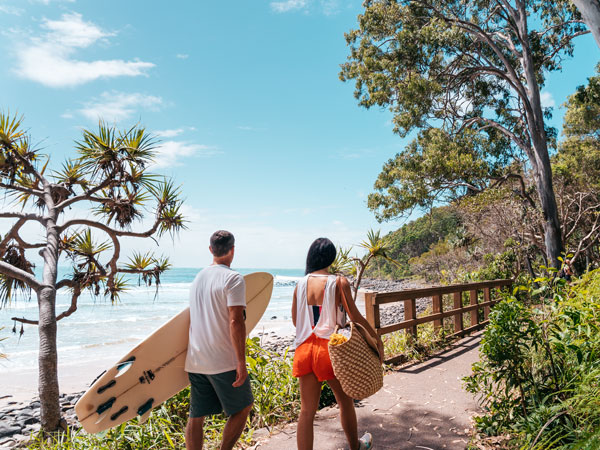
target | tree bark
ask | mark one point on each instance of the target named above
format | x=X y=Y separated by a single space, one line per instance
x=48 y=360
x=539 y=157
x=48 y=368
x=590 y=11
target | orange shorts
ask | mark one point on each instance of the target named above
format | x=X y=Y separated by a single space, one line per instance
x=312 y=356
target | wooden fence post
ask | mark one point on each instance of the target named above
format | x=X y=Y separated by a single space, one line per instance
x=458 y=318
x=475 y=312
x=410 y=312
x=437 y=308
x=372 y=310
x=486 y=298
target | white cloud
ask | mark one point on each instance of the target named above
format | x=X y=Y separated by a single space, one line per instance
x=9 y=9
x=330 y=7
x=48 y=58
x=169 y=133
x=547 y=100
x=170 y=153
x=289 y=5
x=115 y=106
x=182 y=55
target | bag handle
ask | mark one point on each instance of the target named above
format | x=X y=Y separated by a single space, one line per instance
x=354 y=324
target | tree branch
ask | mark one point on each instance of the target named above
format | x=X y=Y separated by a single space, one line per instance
x=19 y=274
x=73 y=307
x=14 y=234
x=109 y=230
x=22 y=189
x=89 y=195
x=25 y=216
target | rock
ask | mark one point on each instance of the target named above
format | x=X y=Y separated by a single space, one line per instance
x=8 y=430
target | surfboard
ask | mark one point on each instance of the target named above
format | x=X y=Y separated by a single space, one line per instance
x=153 y=371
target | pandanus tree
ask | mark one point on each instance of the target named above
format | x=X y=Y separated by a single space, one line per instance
x=106 y=190
x=377 y=248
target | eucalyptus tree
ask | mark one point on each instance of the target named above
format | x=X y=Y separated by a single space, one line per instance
x=107 y=189
x=468 y=75
x=590 y=11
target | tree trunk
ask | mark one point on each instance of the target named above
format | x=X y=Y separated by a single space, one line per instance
x=48 y=360
x=590 y=11
x=48 y=369
x=552 y=234
x=538 y=157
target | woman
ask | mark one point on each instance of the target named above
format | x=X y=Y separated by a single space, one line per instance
x=316 y=310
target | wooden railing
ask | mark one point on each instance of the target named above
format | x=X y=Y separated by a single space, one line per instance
x=479 y=310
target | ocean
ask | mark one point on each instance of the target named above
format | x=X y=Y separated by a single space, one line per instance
x=99 y=330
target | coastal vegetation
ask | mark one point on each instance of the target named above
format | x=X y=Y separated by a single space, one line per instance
x=496 y=234
x=467 y=78
x=539 y=369
x=108 y=178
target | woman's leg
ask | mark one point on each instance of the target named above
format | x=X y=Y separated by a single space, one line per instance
x=310 y=392
x=347 y=414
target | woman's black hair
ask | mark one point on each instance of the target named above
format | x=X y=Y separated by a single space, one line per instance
x=320 y=255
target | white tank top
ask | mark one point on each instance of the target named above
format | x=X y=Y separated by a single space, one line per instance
x=328 y=318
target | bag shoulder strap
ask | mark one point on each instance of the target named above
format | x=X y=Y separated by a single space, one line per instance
x=344 y=299
x=353 y=323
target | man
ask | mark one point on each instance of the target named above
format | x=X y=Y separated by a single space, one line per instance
x=216 y=357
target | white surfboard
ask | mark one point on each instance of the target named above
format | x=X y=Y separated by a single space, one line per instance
x=154 y=370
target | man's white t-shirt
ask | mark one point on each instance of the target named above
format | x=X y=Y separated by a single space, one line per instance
x=210 y=349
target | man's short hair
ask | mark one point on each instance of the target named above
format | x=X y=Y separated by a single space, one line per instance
x=221 y=242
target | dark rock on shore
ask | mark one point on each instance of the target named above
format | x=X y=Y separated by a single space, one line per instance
x=18 y=421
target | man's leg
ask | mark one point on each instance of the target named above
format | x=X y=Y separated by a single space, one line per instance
x=194 y=433
x=234 y=427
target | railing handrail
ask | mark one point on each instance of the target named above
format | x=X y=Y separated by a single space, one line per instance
x=405 y=294
x=373 y=300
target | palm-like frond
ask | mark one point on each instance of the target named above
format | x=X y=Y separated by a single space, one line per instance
x=11 y=131
x=171 y=220
x=124 y=209
x=111 y=152
x=84 y=244
x=342 y=262
x=72 y=174
x=11 y=288
x=120 y=285
x=140 y=261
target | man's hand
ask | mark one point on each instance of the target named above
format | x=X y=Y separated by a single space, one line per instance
x=241 y=375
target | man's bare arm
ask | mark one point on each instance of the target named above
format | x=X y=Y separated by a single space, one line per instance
x=237 y=334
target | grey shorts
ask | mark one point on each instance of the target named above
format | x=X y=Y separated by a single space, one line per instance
x=212 y=394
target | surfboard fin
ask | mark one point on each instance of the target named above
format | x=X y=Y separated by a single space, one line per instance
x=144 y=417
x=145 y=410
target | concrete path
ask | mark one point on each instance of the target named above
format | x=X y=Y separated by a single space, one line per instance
x=421 y=406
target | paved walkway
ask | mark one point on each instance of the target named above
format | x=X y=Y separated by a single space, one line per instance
x=421 y=406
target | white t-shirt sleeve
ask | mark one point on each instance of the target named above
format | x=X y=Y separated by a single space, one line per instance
x=235 y=289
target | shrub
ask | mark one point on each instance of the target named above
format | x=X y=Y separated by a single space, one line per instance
x=539 y=374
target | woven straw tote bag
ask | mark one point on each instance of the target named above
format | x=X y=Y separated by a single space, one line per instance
x=356 y=365
x=355 y=362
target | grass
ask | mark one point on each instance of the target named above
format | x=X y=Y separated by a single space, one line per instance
x=276 y=400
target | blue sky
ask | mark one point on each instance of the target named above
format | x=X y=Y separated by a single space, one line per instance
x=256 y=126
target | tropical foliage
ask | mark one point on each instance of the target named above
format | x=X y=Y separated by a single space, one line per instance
x=540 y=367
x=109 y=177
